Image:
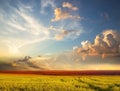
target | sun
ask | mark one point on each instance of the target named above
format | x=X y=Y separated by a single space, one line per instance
x=14 y=50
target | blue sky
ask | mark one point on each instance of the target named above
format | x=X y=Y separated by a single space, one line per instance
x=94 y=17
x=42 y=27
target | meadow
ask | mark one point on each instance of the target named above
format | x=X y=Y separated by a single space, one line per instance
x=20 y=82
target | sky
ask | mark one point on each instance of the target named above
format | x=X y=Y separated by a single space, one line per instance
x=60 y=34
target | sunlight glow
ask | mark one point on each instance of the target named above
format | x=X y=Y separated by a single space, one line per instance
x=14 y=50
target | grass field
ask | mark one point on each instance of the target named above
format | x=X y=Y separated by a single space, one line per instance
x=13 y=82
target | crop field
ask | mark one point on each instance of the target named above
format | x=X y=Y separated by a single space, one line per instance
x=14 y=82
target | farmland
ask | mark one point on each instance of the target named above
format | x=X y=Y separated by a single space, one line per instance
x=21 y=82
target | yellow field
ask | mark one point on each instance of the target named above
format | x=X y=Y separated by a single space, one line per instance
x=10 y=82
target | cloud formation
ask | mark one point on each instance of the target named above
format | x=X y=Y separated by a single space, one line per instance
x=61 y=33
x=105 y=44
x=36 y=63
x=60 y=14
x=69 y=5
x=21 y=27
x=64 y=61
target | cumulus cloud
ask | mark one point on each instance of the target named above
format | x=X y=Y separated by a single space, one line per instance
x=61 y=15
x=105 y=44
x=69 y=5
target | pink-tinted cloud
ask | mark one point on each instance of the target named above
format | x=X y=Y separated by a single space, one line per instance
x=105 y=44
x=59 y=14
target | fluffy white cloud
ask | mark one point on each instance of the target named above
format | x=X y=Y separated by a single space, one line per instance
x=105 y=44
x=62 y=15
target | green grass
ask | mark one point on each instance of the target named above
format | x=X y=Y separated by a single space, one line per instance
x=58 y=83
